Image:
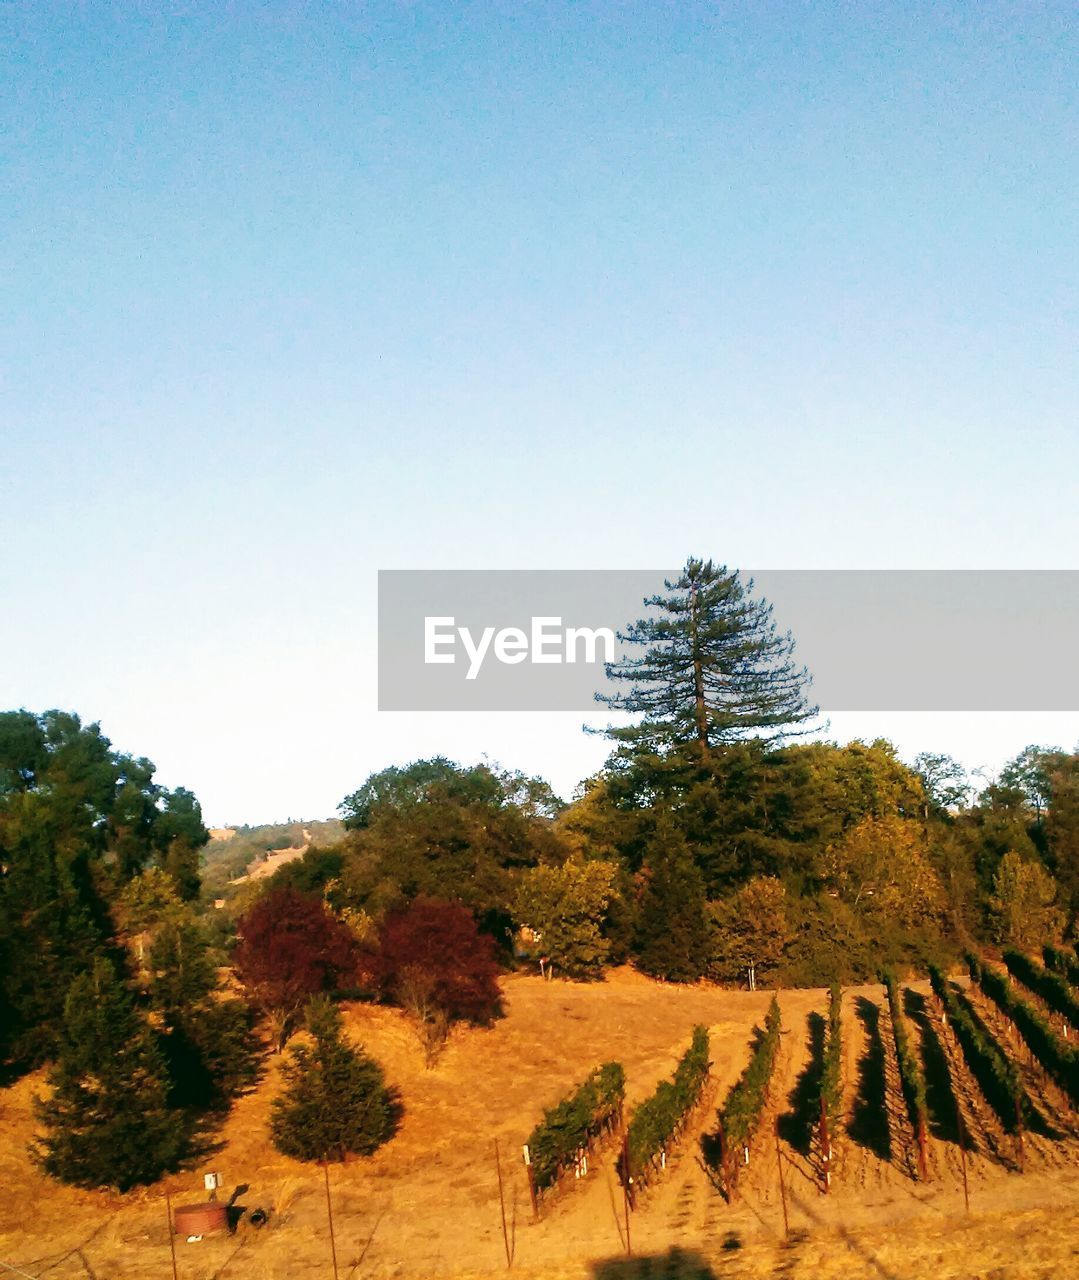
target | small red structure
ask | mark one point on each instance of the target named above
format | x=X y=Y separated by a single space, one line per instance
x=200 y=1219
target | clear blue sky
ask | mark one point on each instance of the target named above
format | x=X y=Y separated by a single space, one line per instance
x=292 y=293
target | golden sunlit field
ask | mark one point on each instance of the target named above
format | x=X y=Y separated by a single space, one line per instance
x=427 y=1203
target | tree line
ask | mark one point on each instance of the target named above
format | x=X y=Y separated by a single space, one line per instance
x=717 y=842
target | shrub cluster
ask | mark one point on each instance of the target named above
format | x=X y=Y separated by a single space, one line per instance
x=1059 y=1059
x=659 y=1118
x=1052 y=988
x=575 y=1123
x=995 y=1072
x=911 y=1074
x=741 y=1112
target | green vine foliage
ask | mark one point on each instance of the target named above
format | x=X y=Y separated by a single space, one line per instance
x=658 y=1119
x=744 y=1104
x=994 y=1071
x=1060 y=1060
x=831 y=1085
x=1064 y=961
x=911 y=1074
x=575 y=1123
x=1052 y=988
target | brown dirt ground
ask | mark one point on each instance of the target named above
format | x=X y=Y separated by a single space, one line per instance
x=427 y=1204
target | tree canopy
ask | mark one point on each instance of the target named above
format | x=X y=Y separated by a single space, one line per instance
x=291 y=948
x=78 y=820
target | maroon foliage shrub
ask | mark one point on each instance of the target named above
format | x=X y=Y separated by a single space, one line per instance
x=431 y=958
x=291 y=947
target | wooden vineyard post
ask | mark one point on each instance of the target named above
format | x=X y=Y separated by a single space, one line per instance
x=782 y=1184
x=725 y=1180
x=1019 y=1134
x=502 y=1207
x=627 y=1183
x=923 y=1162
x=329 y=1216
x=963 y=1155
x=825 y=1146
x=172 y=1231
x=531 y=1182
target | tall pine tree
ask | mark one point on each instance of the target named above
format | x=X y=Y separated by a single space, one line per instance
x=108 y=1122
x=336 y=1102
x=714 y=669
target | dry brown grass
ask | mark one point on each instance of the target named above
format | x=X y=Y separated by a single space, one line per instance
x=427 y=1204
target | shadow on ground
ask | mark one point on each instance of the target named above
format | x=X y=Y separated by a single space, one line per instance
x=939 y=1096
x=675 y=1264
x=869 y=1122
x=797 y=1125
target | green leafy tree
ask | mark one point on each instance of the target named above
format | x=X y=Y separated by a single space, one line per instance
x=335 y=1102
x=107 y=1121
x=672 y=928
x=750 y=927
x=438 y=830
x=881 y=866
x=1029 y=774
x=712 y=667
x=1022 y=908
x=1062 y=824
x=567 y=906
x=999 y=822
x=945 y=782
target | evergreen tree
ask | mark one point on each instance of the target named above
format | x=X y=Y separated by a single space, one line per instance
x=78 y=821
x=206 y=1040
x=713 y=668
x=672 y=925
x=108 y=1121
x=336 y=1101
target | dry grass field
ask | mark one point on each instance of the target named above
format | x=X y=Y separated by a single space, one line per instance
x=427 y=1204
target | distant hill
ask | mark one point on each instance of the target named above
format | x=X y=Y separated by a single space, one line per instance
x=238 y=853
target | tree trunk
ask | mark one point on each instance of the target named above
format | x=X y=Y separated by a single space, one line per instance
x=701 y=711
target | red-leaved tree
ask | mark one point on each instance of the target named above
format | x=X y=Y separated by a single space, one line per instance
x=291 y=947
x=433 y=961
